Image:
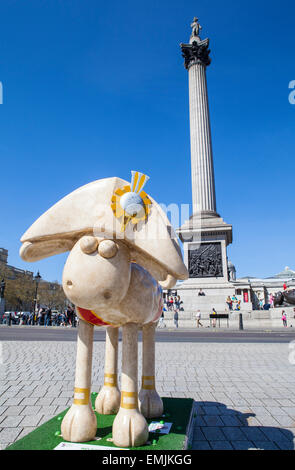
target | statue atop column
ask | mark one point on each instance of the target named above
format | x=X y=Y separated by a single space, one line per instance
x=196 y=27
x=197 y=51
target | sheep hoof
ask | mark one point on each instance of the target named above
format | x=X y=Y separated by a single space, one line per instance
x=130 y=428
x=79 y=424
x=108 y=401
x=150 y=403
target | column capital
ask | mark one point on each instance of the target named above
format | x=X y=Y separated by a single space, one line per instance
x=197 y=52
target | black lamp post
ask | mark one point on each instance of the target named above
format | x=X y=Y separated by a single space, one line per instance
x=37 y=279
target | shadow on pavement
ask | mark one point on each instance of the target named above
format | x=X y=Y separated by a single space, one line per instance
x=220 y=428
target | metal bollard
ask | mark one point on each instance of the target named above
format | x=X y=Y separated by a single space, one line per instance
x=241 y=327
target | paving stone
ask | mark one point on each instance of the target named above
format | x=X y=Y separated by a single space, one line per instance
x=13 y=410
x=11 y=421
x=29 y=401
x=253 y=434
x=266 y=445
x=31 y=410
x=285 y=421
x=213 y=433
x=242 y=445
x=26 y=431
x=212 y=420
x=201 y=445
x=44 y=401
x=198 y=435
x=290 y=410
x=273 y=434
x=233 y=433
x=221 y=445
x=285 y=445
x=31 y=420
x=230 y=420
x=8 y=435
x=13 y=401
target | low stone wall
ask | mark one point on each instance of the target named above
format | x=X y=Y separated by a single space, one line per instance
x=251 y=319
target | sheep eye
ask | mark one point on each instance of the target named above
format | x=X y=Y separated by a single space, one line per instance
x=88 y=244
x=107 y=248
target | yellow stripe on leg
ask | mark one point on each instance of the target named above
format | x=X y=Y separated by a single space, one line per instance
x=129 y=400
x=110 y=380
x=81 y=396
x=148 y=382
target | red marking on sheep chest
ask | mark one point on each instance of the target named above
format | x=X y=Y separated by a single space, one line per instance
x=90 y=317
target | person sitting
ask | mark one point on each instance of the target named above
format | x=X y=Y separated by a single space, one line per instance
x=201 y=292
x=229 y=302
x=238 y=306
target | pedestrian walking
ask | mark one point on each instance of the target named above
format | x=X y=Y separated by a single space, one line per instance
x=31 y=318
x=198 y=318
x=161 y=320
x=176 y=318
x=284 y=318
x=70 y=314
x=214 y=319
x=47 y=319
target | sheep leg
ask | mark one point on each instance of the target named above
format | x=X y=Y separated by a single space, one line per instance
x=150 y=403
x=130 y=428
x=80 y=424
x=108 y=399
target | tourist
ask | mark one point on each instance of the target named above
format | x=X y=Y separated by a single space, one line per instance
x=285 y=286
x=47 y=318
x=177 y=301
x=201 y=292
x=238 y=306
x=198 y=318
x=40 y=316
x=229 y=302
x=176 y=318
x=70 y=315
x=161 y=320
x=284 y=318
x=214 y=319
x=271 y=300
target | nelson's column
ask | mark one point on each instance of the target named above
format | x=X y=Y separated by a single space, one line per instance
x=205 y=235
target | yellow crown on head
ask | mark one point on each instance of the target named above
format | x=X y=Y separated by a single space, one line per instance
x=131 y=203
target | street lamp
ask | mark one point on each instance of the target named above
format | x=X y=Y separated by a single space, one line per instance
x=37 y=279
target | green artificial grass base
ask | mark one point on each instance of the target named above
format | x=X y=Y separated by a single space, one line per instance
x=176 y=410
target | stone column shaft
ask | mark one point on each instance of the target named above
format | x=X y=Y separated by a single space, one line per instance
x=202 y=170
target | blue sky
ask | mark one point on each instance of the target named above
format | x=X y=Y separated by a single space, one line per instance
x=93 y=89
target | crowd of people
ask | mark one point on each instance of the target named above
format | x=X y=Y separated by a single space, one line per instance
x=233 y=303
x=44 y=316
x=172 y=303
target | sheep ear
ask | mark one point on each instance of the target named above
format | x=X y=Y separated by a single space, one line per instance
x=34 y=251
x=169 y=282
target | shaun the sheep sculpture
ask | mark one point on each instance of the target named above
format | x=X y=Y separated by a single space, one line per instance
x=122 y=250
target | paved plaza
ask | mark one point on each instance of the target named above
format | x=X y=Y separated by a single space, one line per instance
x=244 y=392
